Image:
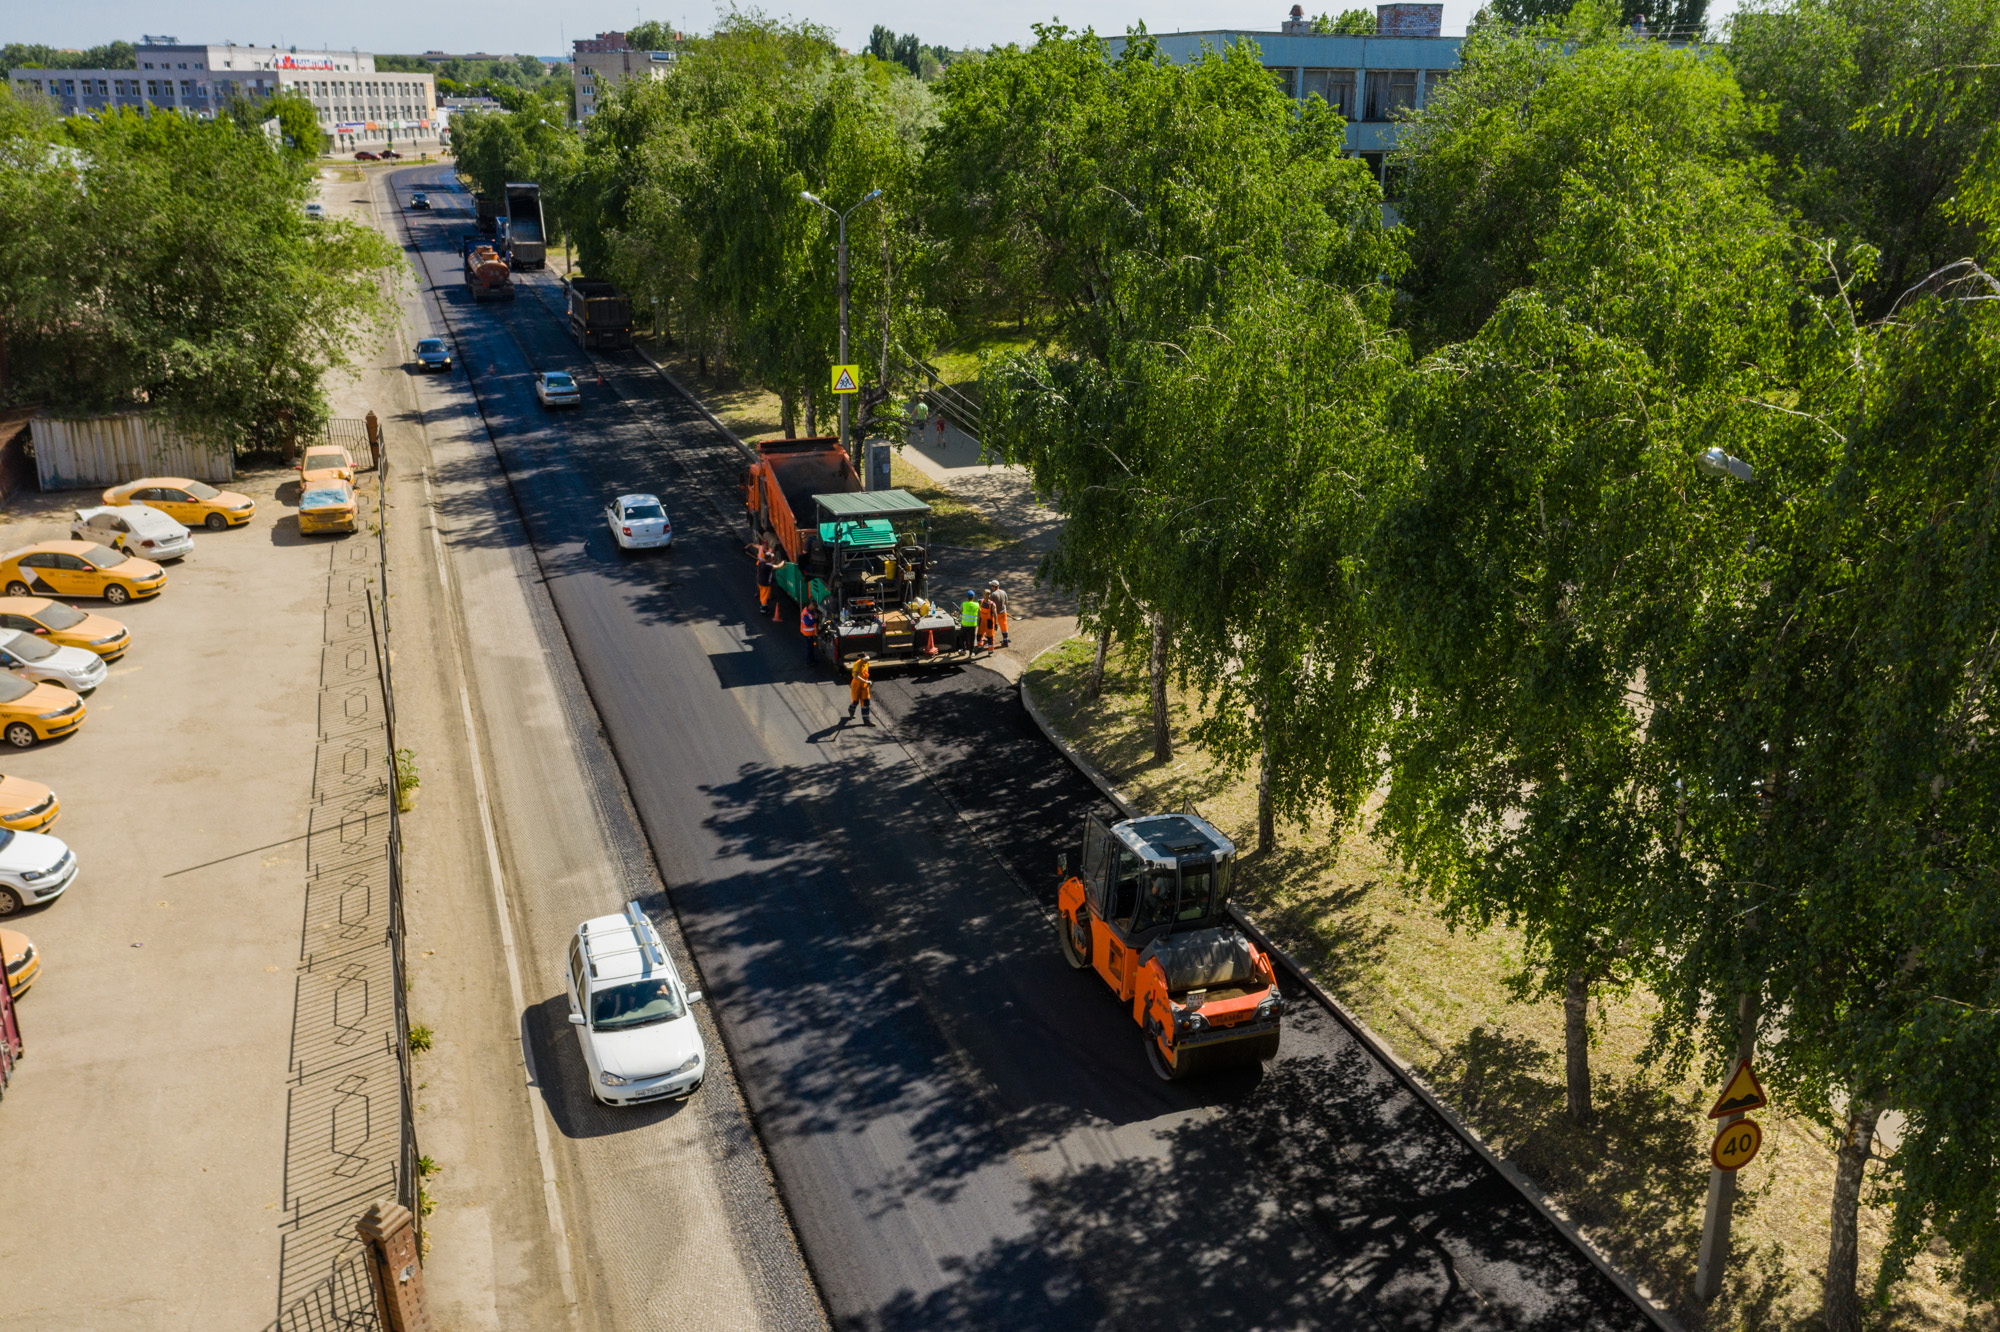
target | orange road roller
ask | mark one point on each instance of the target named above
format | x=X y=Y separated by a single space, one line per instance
x=1147 y=913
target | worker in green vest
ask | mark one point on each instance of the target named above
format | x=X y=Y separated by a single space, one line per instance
x=968 y=621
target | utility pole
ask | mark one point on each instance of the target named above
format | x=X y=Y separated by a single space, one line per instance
x=1713 y=1259
x=840 y=289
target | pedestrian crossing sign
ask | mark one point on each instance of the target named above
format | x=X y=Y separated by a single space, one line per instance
x=847 y=379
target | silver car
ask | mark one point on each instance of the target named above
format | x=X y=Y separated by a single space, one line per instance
x=76 y=669
x=556 y=388
x=136 y=529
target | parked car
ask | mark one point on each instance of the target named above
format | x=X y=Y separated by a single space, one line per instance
x=136 y=529
x=27 y=806
x=328 y=506
x=23 y=962
x=639 y=522
x=631 y=1012
x=195 y=503
x=30 y=712
x=432 y=354
x=34 y=868
x=76 y=669
x=326 y=461
x=79 y=569
x=66 y=625
x=420 y=201
x=557 y=389
x=315 y=211
x=365 y=156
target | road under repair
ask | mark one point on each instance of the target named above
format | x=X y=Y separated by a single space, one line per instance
x=966 y=1133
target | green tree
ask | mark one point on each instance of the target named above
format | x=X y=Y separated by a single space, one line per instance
x=1350 y=23
x=123 y=286
x=112 y=55
x=651 y=35
x=1485 y=167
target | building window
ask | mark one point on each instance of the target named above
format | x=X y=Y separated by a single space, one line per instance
x=1335 y=87
x=1389 y=91
x=1433 y=81
x=1286 y=78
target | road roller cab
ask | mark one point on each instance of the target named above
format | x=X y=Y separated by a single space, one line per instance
x=1147 y=913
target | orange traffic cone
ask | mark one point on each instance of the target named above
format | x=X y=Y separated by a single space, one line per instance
x=777 y=609
x=930 y=643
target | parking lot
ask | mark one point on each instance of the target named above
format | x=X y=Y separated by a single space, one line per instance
x=146 y=1126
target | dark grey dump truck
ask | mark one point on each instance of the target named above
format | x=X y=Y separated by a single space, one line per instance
x=526 y=237
x=599 y=314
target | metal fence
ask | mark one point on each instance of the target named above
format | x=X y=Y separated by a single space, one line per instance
x=344 y=1302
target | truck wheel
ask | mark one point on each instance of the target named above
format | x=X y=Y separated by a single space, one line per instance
x=1266 y=1049
x=1167 y=1072
x=1066 y=932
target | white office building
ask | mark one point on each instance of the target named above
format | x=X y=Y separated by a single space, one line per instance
x=360 y=107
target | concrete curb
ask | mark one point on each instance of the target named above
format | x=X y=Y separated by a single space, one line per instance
x=1376 y=1046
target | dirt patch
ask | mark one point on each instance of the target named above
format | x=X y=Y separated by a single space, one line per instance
x=1637 y=1180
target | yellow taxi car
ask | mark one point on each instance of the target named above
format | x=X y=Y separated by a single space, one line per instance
x=31 y=712
x=79 y=569
x=328 y=506
x=190 y=503
x=27 y=806
x=65 y=626
x=325 y=460
x=23 y=962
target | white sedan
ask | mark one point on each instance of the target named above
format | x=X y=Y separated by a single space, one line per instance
x=556 y=388
x=631 y=1012
x=76 y=669
x=34 y=867
x=136 y=529
x=639 y=522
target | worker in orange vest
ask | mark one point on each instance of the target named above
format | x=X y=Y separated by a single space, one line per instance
x=860 y=690
x=767 y=570
x=986 y=622
x=999 y=600
x=808 y=628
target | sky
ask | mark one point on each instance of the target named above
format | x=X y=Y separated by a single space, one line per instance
x=535 y=27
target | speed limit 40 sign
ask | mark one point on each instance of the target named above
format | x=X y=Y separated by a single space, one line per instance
x=1736 y=1145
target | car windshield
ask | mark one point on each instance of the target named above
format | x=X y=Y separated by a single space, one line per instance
x=559 y=381
x=202 y=492
x=327 y=497
x=645 y=511
x=637 y=1004
x=323 y=461
x=29 y=648
x=58 y=616
x=431 y=345
x=103 y=557
x=13 y=689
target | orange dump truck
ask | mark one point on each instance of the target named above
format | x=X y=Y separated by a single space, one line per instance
x=1148 y=913
x=778 y=488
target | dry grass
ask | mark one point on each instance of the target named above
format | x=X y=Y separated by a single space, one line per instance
x=1637 y=1180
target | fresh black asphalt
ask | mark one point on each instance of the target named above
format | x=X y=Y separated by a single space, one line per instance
x=966 y=1133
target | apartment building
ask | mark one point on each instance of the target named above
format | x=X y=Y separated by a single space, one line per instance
x=602 y=62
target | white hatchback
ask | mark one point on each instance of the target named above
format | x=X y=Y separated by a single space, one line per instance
x=639 y=522
x=76 y=669
x=34 y=867
x=633 y=1016
x=136 y=529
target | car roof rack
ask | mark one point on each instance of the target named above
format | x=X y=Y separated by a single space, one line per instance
x=646 y=942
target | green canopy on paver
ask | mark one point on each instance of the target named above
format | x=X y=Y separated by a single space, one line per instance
x=859 y=505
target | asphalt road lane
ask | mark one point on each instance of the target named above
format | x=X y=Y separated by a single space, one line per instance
x=966 y=1132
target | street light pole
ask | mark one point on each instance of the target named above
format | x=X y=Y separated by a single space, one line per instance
x=840 y=288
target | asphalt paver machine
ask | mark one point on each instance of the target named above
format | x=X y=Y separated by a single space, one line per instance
x=1148 y=913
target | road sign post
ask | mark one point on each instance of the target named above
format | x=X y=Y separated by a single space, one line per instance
x=1736 y=1142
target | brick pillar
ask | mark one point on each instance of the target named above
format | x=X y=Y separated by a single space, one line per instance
x=394 y=1270
x=375 y=440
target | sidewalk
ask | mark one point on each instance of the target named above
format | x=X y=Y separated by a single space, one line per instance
x=1002 y=489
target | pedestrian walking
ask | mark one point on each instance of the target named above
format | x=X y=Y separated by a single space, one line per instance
x=767 y=571
x=998 y=597
x=940 y=429
x=860 y=690
x=968 y=621
x=809 y=629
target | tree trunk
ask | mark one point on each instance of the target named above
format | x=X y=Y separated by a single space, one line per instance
x=1096 y=686
x=701 y=360
x=1841 y=1307
x=1163 y=744
x=812 y=413
x=1267 y=832
x=788 y=414
x=1576 y=1046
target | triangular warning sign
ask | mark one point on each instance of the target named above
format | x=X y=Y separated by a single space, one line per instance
x=1743 y=1094
x=844 y=380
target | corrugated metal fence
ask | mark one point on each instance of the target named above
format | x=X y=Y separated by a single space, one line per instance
x=110 y=450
